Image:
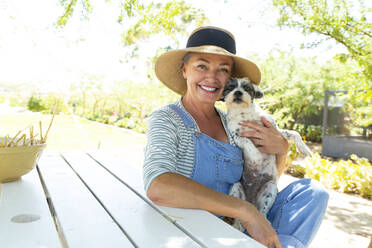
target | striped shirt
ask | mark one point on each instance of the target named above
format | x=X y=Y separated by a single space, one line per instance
x=170 y=146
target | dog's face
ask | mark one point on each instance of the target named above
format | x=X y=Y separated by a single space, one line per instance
x=240 y=92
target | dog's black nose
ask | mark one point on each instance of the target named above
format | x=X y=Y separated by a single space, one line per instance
x=238 y=93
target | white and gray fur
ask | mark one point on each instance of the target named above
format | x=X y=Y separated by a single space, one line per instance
x=258 y=184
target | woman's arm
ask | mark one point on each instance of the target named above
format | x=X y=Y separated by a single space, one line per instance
x=175 y=190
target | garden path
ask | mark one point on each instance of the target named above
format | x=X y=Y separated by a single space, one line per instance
x=347 y=222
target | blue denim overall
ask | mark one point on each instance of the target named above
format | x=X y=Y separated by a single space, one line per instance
x=217 y=165
x=298 y=209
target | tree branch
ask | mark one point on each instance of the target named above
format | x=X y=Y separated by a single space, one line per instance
x=68 y=9
x=358 y=30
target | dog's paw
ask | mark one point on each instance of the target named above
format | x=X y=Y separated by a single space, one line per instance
x=237 y=191
x=238 y=225
x=234 y=223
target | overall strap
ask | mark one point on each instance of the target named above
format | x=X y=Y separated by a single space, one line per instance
x=184 y=116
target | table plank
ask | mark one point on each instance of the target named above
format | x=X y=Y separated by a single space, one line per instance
x=146 y=226
x=22 y=201
x=82 y=220
x=202 y=225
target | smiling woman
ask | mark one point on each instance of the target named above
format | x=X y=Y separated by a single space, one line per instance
x=191 y=159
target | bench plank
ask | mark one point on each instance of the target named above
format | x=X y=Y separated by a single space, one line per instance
x=22 y=201
x=204 y=226
x=83 y=221
x=146 y=226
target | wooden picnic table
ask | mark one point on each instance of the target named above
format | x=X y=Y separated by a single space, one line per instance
x=79 y=199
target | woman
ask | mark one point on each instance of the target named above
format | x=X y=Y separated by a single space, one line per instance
x=191 y=160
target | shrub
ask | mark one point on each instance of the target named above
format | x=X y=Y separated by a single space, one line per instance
x=311 y=132
x=140 y=127
x=35 y=104
x=129 y=123
x=314 y=133
x=54 y=103
x=349 y=176
x=292 y=167
x=112 y=119
x=91 y=117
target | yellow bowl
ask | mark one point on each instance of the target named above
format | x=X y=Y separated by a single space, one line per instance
x=17 y=161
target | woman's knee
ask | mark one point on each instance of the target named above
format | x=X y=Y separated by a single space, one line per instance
x=308 y=188
x=315 y=193
x=319 y=193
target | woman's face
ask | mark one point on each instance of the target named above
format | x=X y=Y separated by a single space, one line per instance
x=206 y=76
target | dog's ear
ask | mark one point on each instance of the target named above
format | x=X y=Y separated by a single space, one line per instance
x=258 y=93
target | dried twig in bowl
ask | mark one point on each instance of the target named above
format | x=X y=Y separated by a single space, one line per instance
x=46 y=134
x=13 y=142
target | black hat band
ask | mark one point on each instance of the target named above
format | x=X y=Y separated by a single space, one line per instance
x=215 y=37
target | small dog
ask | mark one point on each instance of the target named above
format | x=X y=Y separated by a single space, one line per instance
x=258 y=184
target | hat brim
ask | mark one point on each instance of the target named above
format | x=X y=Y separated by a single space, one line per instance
x=168 y=67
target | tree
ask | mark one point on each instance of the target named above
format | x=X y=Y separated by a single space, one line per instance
x=168 y=18
x=347 y=22
x=344 y=21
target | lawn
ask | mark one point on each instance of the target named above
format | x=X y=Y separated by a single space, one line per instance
x=73 y=133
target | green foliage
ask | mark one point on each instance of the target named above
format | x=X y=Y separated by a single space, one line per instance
x=349 y=176
x=54 y=103
x=293 y=168
x=359 y=109
x=344 y=21
x=34 y=104
x=314 y=133
x=69 y=7
x=294 y=91
x=133 y=123
x=347 y=22
x=49 y=104
x=169 y=18
x=124 y=104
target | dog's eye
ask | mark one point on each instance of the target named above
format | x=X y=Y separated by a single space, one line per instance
x=229 y=87
x=247 y=88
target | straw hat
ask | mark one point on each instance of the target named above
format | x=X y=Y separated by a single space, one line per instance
x=168 y=67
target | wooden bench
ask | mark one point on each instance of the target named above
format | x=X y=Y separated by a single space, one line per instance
x=79 y=199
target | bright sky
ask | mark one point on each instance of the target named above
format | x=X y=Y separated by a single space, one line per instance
x=33 y=51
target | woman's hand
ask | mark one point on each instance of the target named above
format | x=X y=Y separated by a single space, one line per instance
x=259 y=228
x=266 y=138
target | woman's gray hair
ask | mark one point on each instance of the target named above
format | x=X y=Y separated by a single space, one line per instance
x=186 y=58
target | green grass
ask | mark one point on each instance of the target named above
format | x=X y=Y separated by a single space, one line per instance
x=69 y=133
